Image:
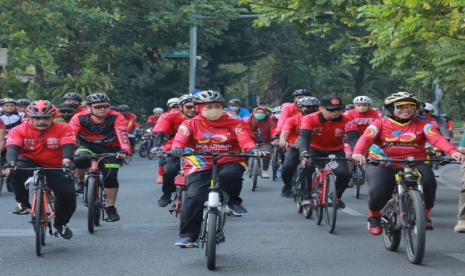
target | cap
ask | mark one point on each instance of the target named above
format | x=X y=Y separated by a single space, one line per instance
x=332 y=102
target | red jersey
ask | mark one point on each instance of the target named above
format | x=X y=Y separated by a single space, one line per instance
x=263 y=127
x=168 y=123
x=42 y=146
x=327 y=135
x=292 y=125
x=362 y=120
x=110 y=135
x=391 y=139
x=132 y=121
x=222 y=136
x=287 y=111
x=152 y=120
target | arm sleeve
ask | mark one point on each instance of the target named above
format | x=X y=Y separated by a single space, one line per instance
x=437 y=140
x=282 y=119
x=121 y=129
x=68 y=151
x=305 y=139
x=163 y=124
x=244 y=137
x=368 y=137
x=182 y=136
x=12 y=152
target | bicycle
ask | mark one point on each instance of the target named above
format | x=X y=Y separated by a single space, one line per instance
x=146 y=144
x=255 y=169
x=357 y=179
x=215 y=211
x=275 y=161
x=404 y=213
x=94 y=195
x=323 y=194
x=179 y=195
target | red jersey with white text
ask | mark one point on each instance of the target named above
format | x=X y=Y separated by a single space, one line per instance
x=362 y=119
x=42 y=146
x=168 y=123
x=387 y=138
x=292 y=125
x=110 y=135
x=221 y=136
x=326 y=135
x=287 y=111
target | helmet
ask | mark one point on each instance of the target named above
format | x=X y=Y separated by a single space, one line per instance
x=301 y=92
x=41 y=109
x=172 y=102
x=309 y=101
x=66 y=107
x=428 y=107
x=158 y=110
x=362 y=100
x=72 y=96
x=235 y=101
x=188 y=98
x=23 y=102
x=276 y=109
x=401 y=96
x=98 y=97
x=349 y=106
x=123 y=107
x=209 y=96
x=7 y=100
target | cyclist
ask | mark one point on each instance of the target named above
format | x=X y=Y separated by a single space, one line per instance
x=288 y=138
x=101 y=130
x=399 y=135
x=210 y=131
x=449 y=124
x=262 y=127
x=289 y=110
x=349 y=107
x=152 y=119
x=133 y=125
x=166 y=128
x=236 y=111
x=322 y=134
x=172 y=104
x=22 y=104
x=426 y=113
x=75 y=99
x=275 y=113
x=9 y=115
x=42 y=142
x=66 y=112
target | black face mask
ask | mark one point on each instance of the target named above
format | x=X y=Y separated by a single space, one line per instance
x=66 y=117
x=306 y=111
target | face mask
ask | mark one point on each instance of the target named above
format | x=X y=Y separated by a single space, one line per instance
x=212 y=114
x=234 y=108
x=362 y=109
x=259 y=116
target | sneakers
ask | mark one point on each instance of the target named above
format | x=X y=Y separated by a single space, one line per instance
x=286 y=191
x=164 y=200
x=374 y=226
x=22 y=209
x=460 y=227
x=428 y=224
x=80 y=187
x=265 y=174
x=340 y=204
x=185 y=242
x=237 y=210
x=112 y=214
x=64 y=231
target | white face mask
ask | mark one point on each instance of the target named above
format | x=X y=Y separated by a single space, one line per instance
x=212 y=114
x=234 y=108
x=362 y=109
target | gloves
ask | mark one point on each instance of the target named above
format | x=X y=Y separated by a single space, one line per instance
x=156 y=150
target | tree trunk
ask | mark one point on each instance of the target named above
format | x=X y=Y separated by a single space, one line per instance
x=360 y=77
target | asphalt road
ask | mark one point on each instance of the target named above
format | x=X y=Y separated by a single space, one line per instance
x=272 y=240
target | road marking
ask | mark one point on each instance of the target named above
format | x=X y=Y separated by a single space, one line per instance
x=458 y=256
x=352 y=212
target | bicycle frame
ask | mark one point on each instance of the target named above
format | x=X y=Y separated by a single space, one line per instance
x=47 y=206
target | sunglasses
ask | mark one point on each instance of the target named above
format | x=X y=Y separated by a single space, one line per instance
x=335 y=110
x=102 y=106
x=405 y=106
x=189 y=106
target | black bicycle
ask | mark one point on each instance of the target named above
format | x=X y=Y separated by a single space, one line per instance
x=357 y=179
x=275 y=161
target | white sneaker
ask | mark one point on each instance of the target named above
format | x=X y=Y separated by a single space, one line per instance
x=460 y=227
x=265 y=174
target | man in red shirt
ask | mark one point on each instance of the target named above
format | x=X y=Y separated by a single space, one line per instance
x=102 y=130
x=133 y=125
x=152 y=119
x=74 y=99
x=41 y=142
x=166 y=129
x=322 y=133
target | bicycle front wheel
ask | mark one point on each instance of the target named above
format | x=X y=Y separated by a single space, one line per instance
x=275 y=162
x=414 y=228
x=255 y=173
x=2 y=180
x=143 y=149
x=212 y=224
x=330 y=208
x=36 y=220
x=91 y=203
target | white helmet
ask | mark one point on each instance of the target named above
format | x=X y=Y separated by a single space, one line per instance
x=158 y=110
x=362 y=100
x=428 y=107
x=172 y=102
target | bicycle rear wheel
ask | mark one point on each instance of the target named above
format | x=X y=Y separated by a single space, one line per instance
x=36 y=220
x=330 y=209
x=414 y=228
x=255 y=173
x=98 y=206
x=91 y=203
x=2 y=180
x=212 y=224
x=275 y=162
x=143 y=149
x=358 y=179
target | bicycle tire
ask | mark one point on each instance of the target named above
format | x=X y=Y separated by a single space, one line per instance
x=2 y=180
x=331 y=209
x=143 y=150
x=357 y=182
x=212 y=220
x=38 y=229
x=392 y=239
x=91 y=204
x=183 y=202
x=414 y=209
x=98 y=206
x=255 y=173
x=275 y=163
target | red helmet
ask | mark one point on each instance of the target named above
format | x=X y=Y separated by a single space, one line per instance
x=41 y=109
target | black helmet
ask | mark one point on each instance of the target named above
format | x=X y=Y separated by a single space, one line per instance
x=209 y=96
x=188 y=98
x=66 y=107
x=72 y=96
x=23 y=102
x=123 y=107
x=301 y=92
x=97 y=97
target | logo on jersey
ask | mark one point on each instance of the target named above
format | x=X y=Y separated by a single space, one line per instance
x=53 y=143
x=213 y=138
x=400 y=136
x=184 y=130
x=429 y=130
x=372 y=131
x=197 y=161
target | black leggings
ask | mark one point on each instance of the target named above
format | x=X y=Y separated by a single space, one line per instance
x=172 y=166
x=61 y=185
x=381 y=184
x=291 y=160
x=230 y=177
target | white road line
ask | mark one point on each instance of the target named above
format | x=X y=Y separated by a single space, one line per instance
x=352 y=212
x=458 y=256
